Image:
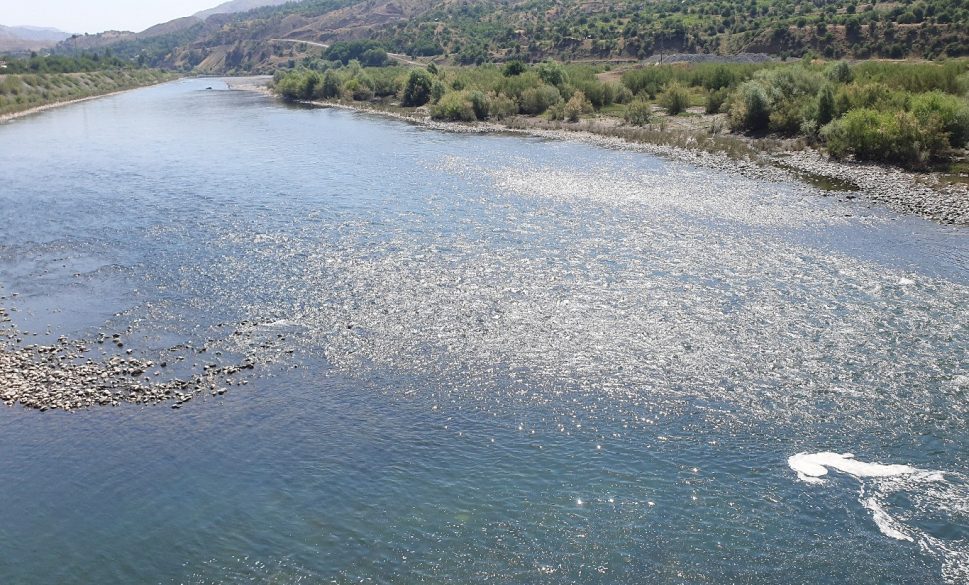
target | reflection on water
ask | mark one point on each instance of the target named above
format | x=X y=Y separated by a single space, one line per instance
x=480 y=358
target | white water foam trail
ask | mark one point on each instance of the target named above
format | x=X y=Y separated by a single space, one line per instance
x=929 y=493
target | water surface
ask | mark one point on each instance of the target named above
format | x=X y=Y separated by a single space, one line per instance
x=480 y=358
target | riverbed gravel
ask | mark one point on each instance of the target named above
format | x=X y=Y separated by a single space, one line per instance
x=65 y=375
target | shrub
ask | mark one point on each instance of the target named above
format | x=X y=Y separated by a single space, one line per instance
x=720 y=78
x=332 y=85
x=785 y=117
x=826 y=109
x=715 y=100
x=794 y=82
x=675 y=99
x=386 y=82
x=868 y=96
x=556 y=112
x=577 y=106
x=290 y=87
x=417 y=91
x=647 y=80
x=501 y=106
x=623 y=95
x=357 y=89
x=638 y=113
x=536 y=100
x=376 y=57
x=839 y=73
x=599 y=94
x=894 y=137
x=513 y=68
x=454 y=107
x=552 y=73
x=438 y=89
x=951 y=112
x=479 y=103
x=750 y=111
x=368 y=52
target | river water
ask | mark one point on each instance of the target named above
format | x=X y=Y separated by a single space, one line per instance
x=479 y=358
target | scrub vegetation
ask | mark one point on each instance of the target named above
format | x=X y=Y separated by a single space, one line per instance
x=903 y=113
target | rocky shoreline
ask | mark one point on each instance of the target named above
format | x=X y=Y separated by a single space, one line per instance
x=922 y=194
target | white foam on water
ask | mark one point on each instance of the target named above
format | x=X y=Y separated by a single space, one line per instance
x=888 y=526
x=810 y=467
x=928 y=492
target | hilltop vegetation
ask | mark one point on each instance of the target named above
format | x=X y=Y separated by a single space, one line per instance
x=534 y=30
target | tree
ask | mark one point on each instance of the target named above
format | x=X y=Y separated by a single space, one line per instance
x=513 y=68
x=417 y=91
x=825 y=105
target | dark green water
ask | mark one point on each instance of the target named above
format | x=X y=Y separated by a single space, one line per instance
x=481 y=358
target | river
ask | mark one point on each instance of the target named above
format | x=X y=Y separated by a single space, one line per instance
x=478 y=358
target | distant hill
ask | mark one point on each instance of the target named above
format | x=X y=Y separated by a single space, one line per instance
x=29 y=38
x=234 y=6
x=475 y=31
x=165 y=36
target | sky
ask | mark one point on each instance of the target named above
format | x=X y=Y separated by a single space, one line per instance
x=92 y=16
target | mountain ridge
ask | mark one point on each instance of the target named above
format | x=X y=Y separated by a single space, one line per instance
x=29 y=38
x=466 y=32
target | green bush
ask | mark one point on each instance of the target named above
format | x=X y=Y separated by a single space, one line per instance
x=893 y=137
x=840 y=72
x=454 y=107
x=552 y=73
x=370 y=53
x=599 y=94
x=479 y=103
x=913 y=77
x=750 y=111
x=417 y=90
x=786 y=117
x=675 y=99
x=647 y=80
x=534 y=101
x=386 y=82
x=872 y=96
x=501 y=106
x=438 y=89
x=513 y=68
x=715 y=100
x=357 y=89
x=577 y=105
x=825 y=109
x=623 y=95
x=638 y=113
x=331 y=86
x=951 y=113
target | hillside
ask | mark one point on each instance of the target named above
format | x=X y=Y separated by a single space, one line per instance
x=469 y=32
x=234 y=6
x=29 y=38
